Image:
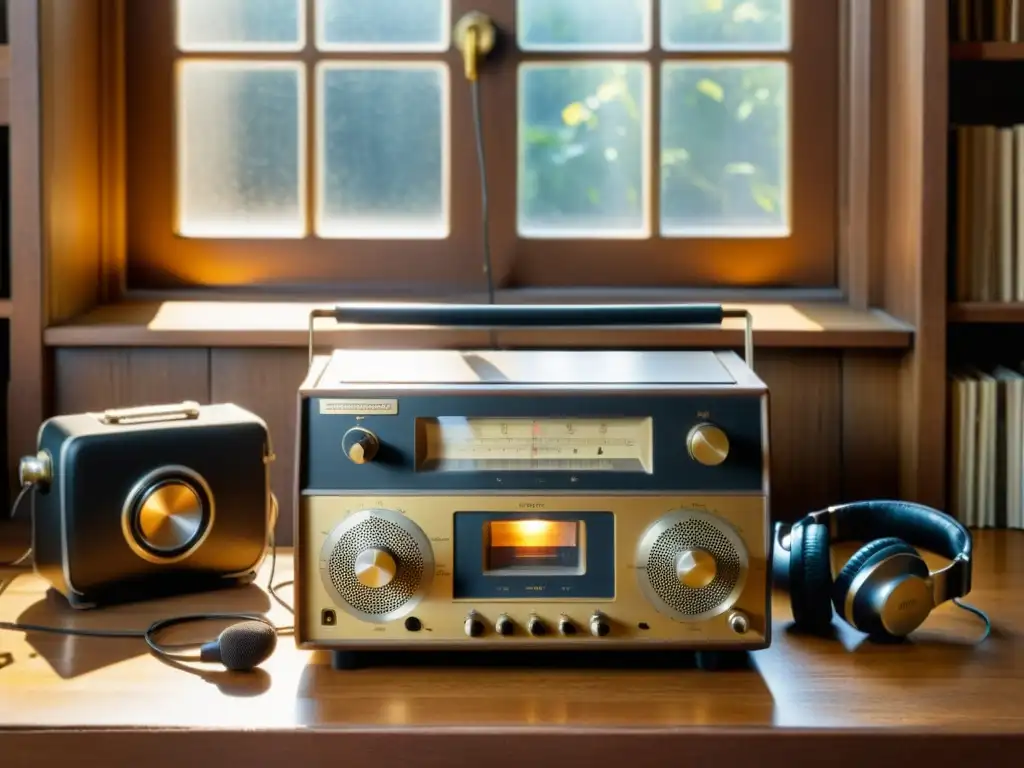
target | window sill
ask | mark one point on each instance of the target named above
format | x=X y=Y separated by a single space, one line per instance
x=779 y=324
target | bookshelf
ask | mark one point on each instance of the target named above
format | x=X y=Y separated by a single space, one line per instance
x=991 y=51
x=985 y=264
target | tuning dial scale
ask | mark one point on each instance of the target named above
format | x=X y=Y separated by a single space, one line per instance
x=377 y=565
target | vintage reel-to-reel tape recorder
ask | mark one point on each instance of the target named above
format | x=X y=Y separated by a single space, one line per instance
x=532 y=499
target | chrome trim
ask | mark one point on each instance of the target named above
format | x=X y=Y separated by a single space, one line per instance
x=748 y=332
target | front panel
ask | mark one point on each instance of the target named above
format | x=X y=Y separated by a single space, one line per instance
x=516 y=570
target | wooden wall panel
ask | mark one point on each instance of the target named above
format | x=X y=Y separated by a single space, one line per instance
x=834 y=426
x=806 y=429
x=266 y=381
x=71 y=154
x=95 y=380
x=871 y=417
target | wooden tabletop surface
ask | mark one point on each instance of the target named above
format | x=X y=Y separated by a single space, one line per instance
x=934 y=692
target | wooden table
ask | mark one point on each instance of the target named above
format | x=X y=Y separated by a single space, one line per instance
x=941 y=699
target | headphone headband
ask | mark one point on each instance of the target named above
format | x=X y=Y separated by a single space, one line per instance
x=916 y=524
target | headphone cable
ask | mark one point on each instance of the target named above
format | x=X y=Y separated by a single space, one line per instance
x=959 y=603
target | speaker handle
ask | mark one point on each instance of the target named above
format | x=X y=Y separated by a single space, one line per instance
x=490 y=316
x=187 y=411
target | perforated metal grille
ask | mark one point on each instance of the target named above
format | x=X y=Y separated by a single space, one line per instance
x=693 y=533
x=379 y=534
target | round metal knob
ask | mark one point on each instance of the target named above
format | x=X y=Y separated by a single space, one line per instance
x=739 y=623
x=599 y=626
x=375 y=568
x=708 y=445
x=504 y=626
x=35 y=470
x=565 y=626
x=473 y=626
x=170 y=517
x=696 y=568
x=360 y=445
x=536 y=626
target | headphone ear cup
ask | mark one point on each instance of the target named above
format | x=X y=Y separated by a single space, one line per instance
x=811 y=579
x=871 y=553
x=857 y=561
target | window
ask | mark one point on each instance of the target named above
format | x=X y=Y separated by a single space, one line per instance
x=297 y=143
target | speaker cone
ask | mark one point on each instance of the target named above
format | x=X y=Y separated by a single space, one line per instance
x=167 y=515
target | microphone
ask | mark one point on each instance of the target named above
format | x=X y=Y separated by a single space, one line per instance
x=241 y=647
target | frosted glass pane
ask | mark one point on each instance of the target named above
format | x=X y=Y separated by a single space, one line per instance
x=384 y=143
x=725 y=24
x=241 y=25
x=583 y=150
x=724 y=150
x=384 y=25
x=241 y=149
x=597 y=25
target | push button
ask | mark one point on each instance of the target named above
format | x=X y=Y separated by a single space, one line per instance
x=328 y=617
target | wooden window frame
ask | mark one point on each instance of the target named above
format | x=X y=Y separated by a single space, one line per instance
x=156 y=259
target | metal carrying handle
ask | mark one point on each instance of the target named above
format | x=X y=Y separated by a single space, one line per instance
x=491 y=316
x=187 y=411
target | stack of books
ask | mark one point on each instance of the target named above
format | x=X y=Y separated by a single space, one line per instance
x=987 y=427
x=989 y=248
x=973 y=21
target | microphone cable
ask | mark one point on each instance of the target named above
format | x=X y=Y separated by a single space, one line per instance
x=164 y=651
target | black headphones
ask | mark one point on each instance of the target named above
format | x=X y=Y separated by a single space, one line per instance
x=886 y=589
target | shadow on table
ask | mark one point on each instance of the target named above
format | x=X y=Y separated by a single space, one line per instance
x=490 y=688
x=72 y=656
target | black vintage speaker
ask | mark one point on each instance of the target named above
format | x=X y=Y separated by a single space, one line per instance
x=150 y=502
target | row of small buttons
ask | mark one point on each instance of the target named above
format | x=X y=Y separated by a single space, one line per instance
x=475 y=626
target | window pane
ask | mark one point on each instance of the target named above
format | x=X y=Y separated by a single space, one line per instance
x=241 y=25
x=384 y=143
x=583 y=150
x=597 y=25
x=725 y=24
x=241 y=149
x=383 y=25
x=724 y=150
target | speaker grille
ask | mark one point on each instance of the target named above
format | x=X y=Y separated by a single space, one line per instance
x=376 y=532
x=695 y=531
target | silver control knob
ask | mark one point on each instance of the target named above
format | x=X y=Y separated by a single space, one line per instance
x=708 y=445
x=565 y=626
x=739 y=623
x=360 y=445
x=696 y=568
x=599 y=626
x=375 y=568
x=536 y=626
x=474 y=626
x=504 y=626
